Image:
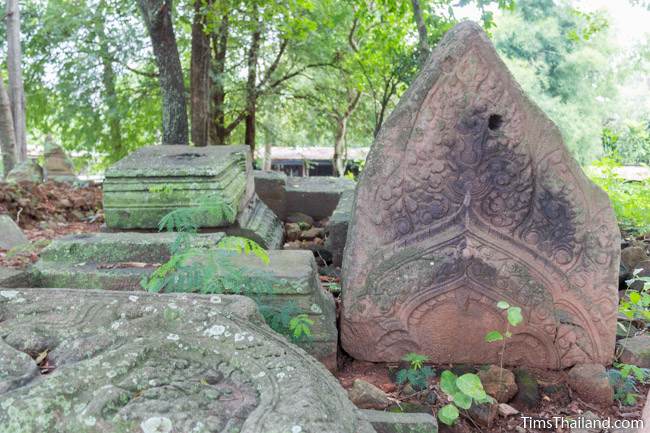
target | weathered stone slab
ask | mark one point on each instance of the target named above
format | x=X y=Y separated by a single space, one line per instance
x=152 y=181
x=137 y=362
x=315 y=196
x=337 y=228
x=469 y=196
x=270 y=186
x=388 y=422
x=259 y=223
x=58 y=167
x=10 y=277
x=119 y=261
x=10 y=234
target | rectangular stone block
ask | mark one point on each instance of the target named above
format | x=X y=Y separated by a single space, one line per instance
x=258 y=223
x=337 y=227
x=315 y=196
x=388 y=422
x=119 y=261
x=152 y=181
x=270 y=187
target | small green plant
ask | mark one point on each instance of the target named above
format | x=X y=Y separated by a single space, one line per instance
x=625 y=378
x=196 y=265
x=634 y=305
x=300 y=327
x=514 y=317
x=462 y=392
x=417 y=375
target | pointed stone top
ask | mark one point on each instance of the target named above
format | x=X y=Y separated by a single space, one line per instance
x=469 y=196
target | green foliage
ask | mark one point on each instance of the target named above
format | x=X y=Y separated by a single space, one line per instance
x=417 y=375
x=625 y=378
x=209 y=269
x=462 y=392
x=634 y=305
x=630 y=200
x=300 y=326
x=562 y=57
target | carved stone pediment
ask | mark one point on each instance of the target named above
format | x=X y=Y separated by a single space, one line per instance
x=469 y=197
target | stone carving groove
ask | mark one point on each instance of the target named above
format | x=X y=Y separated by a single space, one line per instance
x=125 y=360
x=469 y=197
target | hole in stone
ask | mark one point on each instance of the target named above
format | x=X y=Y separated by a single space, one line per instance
x=45 y=366
x=187 y=156
x=495 y=121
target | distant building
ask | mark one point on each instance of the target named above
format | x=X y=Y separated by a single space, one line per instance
x=310 y=161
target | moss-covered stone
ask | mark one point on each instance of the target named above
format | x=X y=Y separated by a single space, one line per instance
x=151 y=182
x=121 y=362
x=119 y=261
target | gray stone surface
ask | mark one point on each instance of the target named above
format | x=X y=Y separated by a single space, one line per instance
x=315 y=196
x=259 y=223
x=152 y=181
x=136 y=362
x=635 y=350
x=387 y=422
x=119 y=261
x=26 y=171
x=14 y=277
x=337 y=227
x=10 y=234
x=270 y=187
x=365 y=395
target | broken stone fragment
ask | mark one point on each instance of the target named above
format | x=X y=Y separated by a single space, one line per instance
x=10 y=234
x=367 y=396
x=499 y=383
x=591 y=383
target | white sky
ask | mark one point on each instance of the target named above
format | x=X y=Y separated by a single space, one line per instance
x=630 y=23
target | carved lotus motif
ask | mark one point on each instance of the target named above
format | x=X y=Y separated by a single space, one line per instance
x=470 y=197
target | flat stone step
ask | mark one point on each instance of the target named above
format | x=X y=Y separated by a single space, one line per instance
x=119 y=261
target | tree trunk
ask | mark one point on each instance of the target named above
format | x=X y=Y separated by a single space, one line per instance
x=158 y=19
x=16 y=90
x=251 y=82
x=109 y=92
x=423 y=44
x=200 y=76
x=218 y=116
x=7 y=134
x=341 y=131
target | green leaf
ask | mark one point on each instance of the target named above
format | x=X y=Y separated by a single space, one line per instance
x=415 y=359
x=514 y=316
x=493 y=336
x=462 y=400
x=503 y=305
x=448 y=383
x=470 y=384
x=635 y=297
x=448 y=414
x=401 y=376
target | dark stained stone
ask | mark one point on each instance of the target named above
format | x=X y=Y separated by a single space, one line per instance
x=468 y=197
